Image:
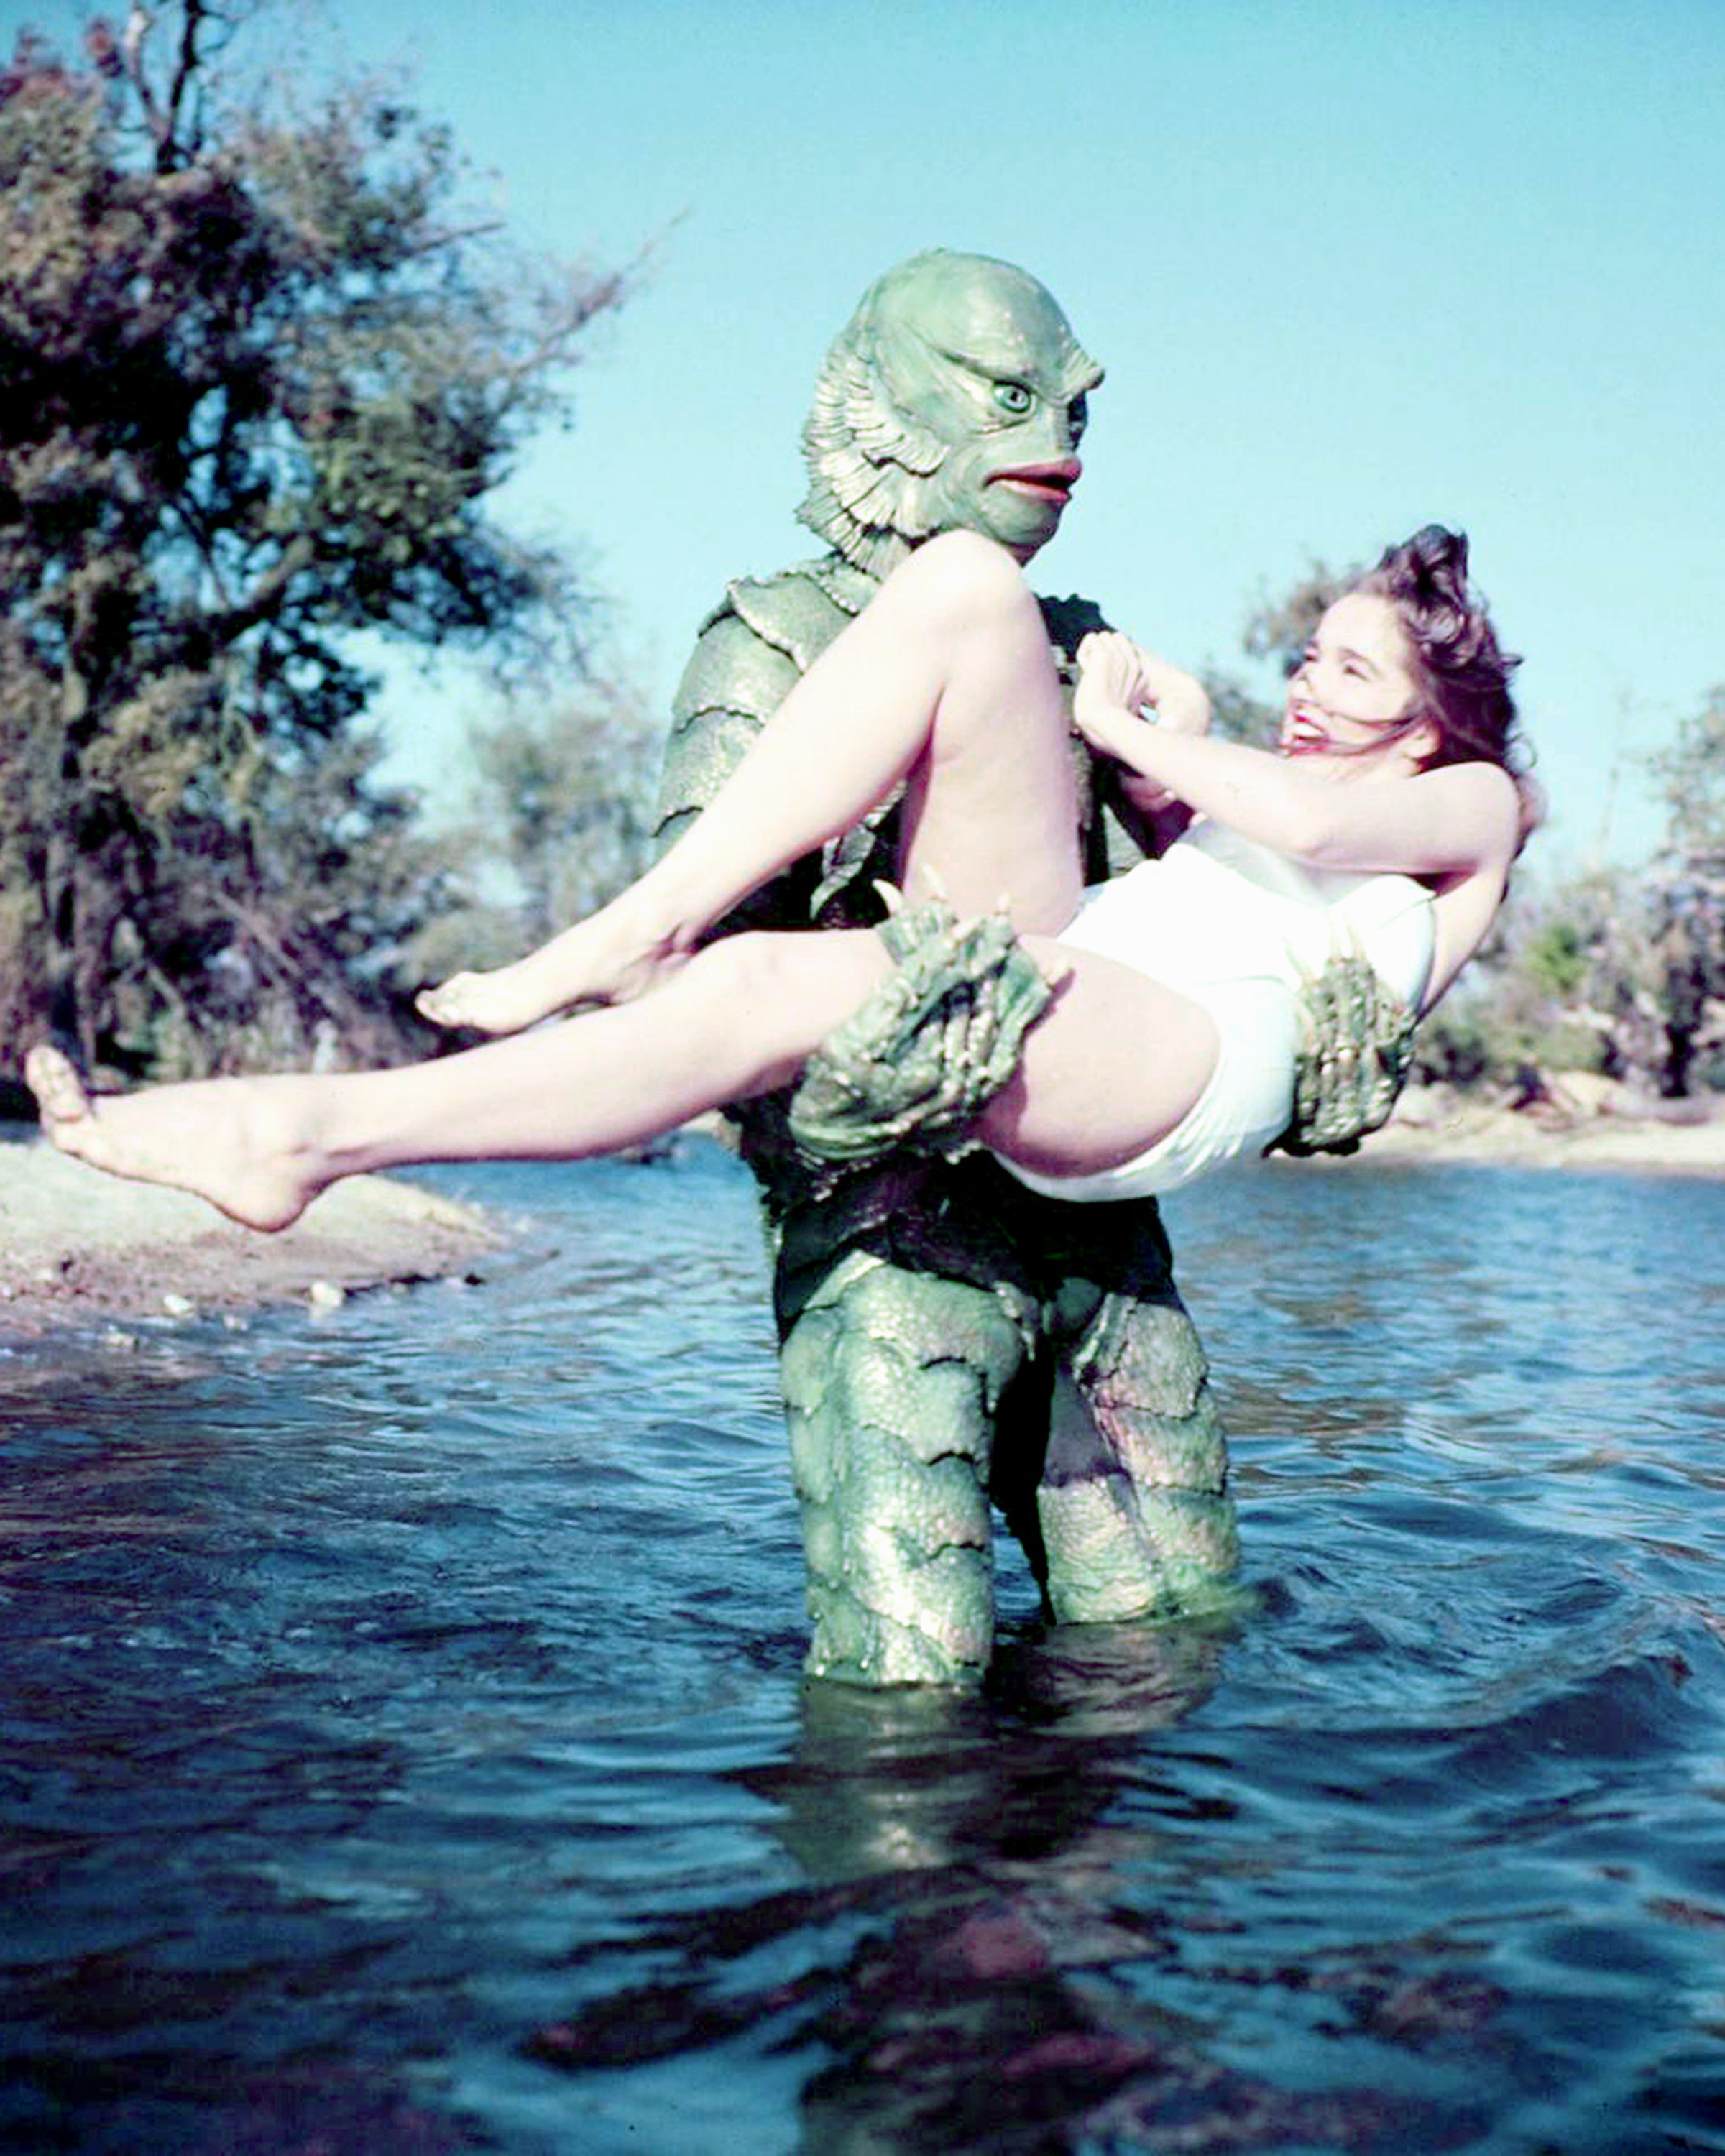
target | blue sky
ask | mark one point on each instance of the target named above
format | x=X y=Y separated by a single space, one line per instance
x=1351 y=265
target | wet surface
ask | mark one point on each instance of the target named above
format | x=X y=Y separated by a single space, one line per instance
x=403 y=1744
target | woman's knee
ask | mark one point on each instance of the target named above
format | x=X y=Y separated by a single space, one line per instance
x=739 y=972
x=963 y=579
x=782 y=993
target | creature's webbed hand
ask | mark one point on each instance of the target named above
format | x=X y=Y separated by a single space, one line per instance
x=930 y=1048
x=1357 y=1049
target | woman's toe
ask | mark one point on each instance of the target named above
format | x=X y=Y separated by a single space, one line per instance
x=53 y=1077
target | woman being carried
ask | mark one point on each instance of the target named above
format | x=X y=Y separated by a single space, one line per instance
x=1386 y=819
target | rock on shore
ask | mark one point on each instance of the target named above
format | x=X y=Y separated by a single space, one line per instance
x=75 y=1243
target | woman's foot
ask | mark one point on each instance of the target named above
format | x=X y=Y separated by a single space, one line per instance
x=497 y=1001
x=600 y=960
x=236 y=1142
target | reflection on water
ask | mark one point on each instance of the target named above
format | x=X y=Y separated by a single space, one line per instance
x=402 y=1746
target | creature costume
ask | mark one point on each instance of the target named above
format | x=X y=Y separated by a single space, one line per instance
x=950 y=1337
x=947 y=1336
x=1240 y=929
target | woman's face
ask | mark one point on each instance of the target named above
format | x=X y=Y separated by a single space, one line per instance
x=1356 y=679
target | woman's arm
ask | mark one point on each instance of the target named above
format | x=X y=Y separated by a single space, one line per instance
x=1453 y=821
x=1180 y=703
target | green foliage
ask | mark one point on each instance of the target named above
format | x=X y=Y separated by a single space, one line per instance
x=564 y=807
x=1690 y=777
x=1236 y=713
x=1689 y=900
x=1569 y=980
x=1557 y=959
x=1614 y=971
x=570 y=798
x=261 y=377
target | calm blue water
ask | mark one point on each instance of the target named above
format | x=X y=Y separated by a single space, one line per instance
x=403 y=1748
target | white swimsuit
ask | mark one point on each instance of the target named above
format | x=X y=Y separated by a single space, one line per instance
x=1239 y=929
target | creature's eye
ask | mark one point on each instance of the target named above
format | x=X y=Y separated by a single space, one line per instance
x=1014 y=398
x=1077 y=419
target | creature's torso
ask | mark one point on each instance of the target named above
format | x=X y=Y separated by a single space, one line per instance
x=752 y=648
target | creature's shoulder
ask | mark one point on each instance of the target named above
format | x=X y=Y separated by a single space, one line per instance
x=800 y=610
x=752 y=650
x=764 y=635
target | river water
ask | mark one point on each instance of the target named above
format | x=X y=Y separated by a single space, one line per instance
x=403 y=1751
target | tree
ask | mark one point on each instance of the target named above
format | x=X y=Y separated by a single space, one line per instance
x=1689 y=883
x=261 y=377
x=1567 y=980
x=564 y=808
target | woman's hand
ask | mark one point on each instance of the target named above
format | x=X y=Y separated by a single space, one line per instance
x=1117 y=678
x=1180 y=700
x=1111 y=690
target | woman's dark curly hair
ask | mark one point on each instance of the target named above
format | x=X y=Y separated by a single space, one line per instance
x=1461 y=671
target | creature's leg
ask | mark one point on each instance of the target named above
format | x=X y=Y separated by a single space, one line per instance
x=945 y=681
x=891 y=1379
x=1133 y=1505
x=913 y=1400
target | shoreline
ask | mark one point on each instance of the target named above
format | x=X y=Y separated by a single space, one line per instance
x=78 y=1247
x=1580 y=1123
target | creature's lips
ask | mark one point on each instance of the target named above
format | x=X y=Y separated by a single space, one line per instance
x=1050 y=482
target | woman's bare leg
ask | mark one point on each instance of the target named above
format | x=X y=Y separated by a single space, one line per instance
x=1114 y=1062
x=738 y=1019
x=945 y=682
x=1110 y=1069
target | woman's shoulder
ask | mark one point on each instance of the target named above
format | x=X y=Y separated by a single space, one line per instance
x=1491 y=799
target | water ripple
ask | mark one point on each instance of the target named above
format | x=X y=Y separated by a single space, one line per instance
x=403 y=1746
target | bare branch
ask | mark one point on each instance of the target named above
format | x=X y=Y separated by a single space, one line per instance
x=454 y=237
x=138 y=24
x=185 y=68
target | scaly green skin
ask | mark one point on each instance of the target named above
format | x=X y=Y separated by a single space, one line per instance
x=923 y=1058
x=1355 y=1054
x=953 y=367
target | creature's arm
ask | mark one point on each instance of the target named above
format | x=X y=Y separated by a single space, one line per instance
x=733 y=683
x=1116 y=829
x=1355 y=1052
x=750 y=653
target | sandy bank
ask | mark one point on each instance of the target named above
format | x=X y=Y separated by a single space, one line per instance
x=76 y=1244
x=1584 y=1123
